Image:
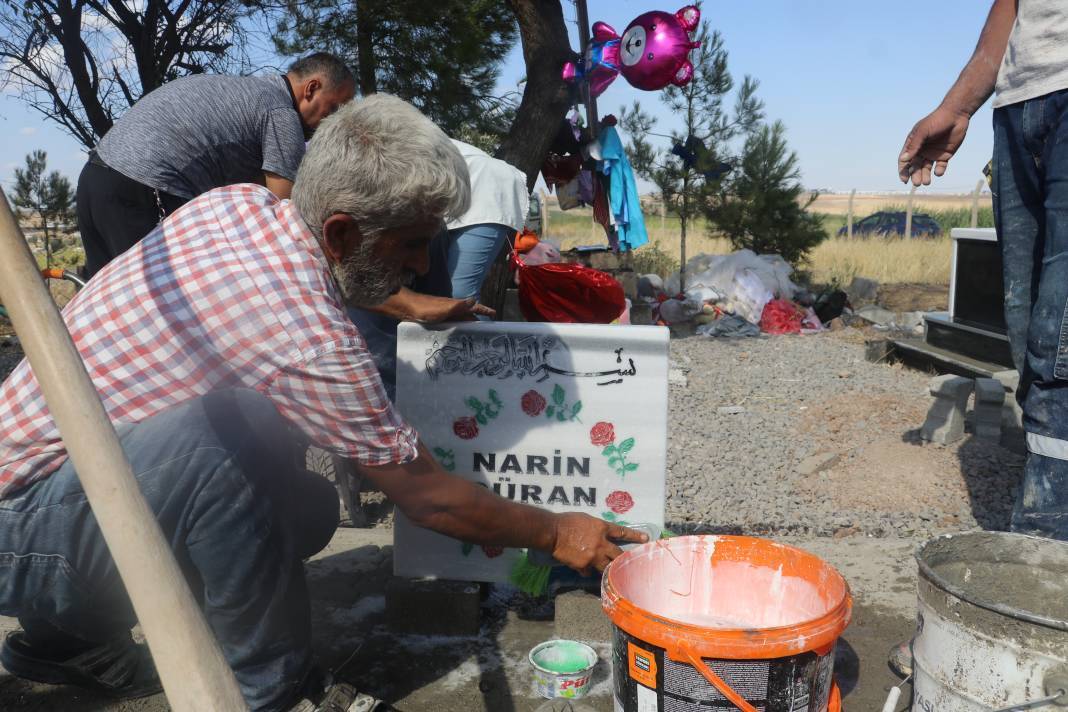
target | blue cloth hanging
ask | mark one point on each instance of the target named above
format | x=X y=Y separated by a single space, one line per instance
x=623 y=198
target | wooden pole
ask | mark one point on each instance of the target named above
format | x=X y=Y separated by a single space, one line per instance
x=194 y=674
x=849 y=220
x=975 y=202
x=583 y=18
x=908 y=215
x=544 y=214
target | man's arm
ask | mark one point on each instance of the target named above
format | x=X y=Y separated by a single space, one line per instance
x=936 y=138
x=407 y=305
x=282 y=187
x=434 y=499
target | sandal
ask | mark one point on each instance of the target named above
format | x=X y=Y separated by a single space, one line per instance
x=120 y=669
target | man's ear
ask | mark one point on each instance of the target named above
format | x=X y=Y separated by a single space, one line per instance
x=311 y=88
x=341 y=235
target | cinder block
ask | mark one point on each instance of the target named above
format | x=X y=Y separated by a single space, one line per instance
x=432 y=607
x=1012 y=431
x=945 y=419
x=579 y=616
x=989 y=399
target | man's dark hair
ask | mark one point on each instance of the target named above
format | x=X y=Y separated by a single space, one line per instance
x=332 y=69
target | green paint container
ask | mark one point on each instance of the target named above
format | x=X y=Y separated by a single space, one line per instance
x=562 y=668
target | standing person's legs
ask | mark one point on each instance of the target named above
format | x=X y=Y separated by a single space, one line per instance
x=472 y=251
x=219 y=472
x=115 y=213
x=1031 y=208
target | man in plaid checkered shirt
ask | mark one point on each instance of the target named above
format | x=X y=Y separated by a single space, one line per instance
x=213 y=342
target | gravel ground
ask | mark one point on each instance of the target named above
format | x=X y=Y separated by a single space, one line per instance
x=825 y=444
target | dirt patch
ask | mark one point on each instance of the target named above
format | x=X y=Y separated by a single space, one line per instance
x=913 y=297
x=883 y=466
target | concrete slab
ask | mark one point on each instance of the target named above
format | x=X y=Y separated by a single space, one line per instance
x=488 y=672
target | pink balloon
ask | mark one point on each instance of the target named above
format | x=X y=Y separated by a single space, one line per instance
x=652 y=53
x=655 y=47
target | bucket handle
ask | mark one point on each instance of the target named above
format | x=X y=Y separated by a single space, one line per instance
x=715 y=680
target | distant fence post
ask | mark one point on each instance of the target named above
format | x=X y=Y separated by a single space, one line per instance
x=849 y=219
x=908 y=215
x=975 y=202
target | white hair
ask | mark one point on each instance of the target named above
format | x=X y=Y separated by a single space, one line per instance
x=381 y=161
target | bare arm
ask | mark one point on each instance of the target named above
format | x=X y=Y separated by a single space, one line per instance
x=936 y=138
x=434 y=499
x=282 y=187
x=407 y=305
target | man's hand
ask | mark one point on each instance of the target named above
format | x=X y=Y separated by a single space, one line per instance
x=407 y=305
x=930 y=144
x=433 y=310
x=582 y=542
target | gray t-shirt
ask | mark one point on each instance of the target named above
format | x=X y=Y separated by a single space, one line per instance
x=206 y=131
x=1036 y=60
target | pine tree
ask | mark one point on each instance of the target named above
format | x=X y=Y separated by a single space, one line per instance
x=700 y=157
x=48 y=197
x=443 y=56
x=759 y=209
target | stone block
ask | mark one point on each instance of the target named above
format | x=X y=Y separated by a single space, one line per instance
x=989 y=400
x=629 y=281
x=579 y=616
x=877 y=350
x=945 y=419
x=432 y=607
x=1013 y=436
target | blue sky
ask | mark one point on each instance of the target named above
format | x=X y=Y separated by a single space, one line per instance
x=847 y=78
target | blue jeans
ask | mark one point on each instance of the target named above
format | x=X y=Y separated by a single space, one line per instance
x=1030 y=189
x=220 y=473
x=459 y=262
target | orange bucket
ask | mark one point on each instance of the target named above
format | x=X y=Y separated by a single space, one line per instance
x=724 y=622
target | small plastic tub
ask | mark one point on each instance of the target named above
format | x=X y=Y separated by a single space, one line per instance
x=562 y=668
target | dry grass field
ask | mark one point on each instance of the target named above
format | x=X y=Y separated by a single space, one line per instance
x=835 y=261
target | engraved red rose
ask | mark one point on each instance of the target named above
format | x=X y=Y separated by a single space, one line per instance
x=533 y=403
x=602 y=434
x=619 y=502
x=465 y=428
x=492 y=552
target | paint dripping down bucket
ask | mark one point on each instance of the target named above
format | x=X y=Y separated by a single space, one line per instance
x=724 y=622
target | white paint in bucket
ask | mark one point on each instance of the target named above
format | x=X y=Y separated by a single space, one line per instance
x=684 y=585
x=562 y=668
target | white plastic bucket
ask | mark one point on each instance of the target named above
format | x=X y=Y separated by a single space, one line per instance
x=992 y=624
x=562 y=668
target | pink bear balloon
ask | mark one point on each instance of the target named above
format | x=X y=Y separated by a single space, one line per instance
x=652 y=53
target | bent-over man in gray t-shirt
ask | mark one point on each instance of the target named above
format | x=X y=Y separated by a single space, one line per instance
x=198 y=133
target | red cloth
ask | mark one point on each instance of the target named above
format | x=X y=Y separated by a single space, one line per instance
x=566 y=293
x=781 y=316
x=231 y=291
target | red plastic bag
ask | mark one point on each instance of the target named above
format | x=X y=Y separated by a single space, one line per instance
x=567 y=293
x=781 y=316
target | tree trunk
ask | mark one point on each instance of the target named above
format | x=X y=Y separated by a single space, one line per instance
x=684 y=215
x=546 y=96
x=47 y=241
x=545 y=100
x=366 y=73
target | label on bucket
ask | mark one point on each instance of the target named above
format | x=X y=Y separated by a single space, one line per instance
x=799 y=683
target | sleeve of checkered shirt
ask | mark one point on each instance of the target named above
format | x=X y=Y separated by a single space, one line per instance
x=336 y=398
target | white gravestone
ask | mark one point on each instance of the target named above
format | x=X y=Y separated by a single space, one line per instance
x=567 y=417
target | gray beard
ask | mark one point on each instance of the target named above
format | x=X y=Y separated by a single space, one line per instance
x=364 y=280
